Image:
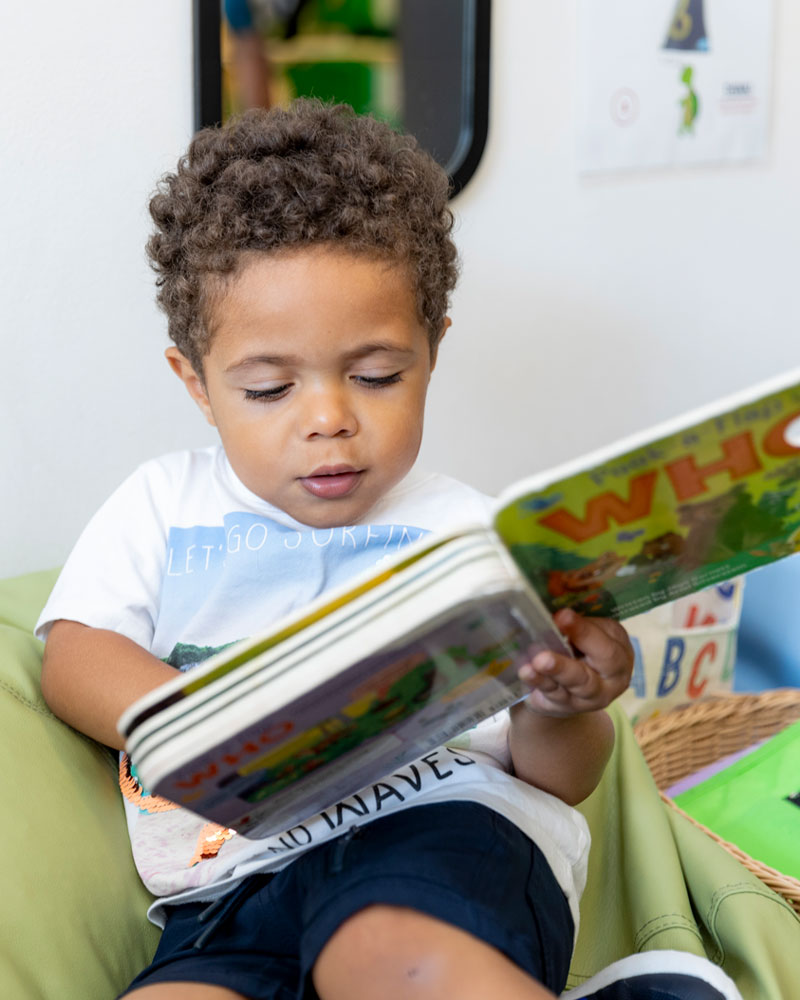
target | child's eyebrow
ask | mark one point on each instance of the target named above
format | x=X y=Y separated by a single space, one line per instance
x=291 y=360
x=260 y=359
x=379 y=347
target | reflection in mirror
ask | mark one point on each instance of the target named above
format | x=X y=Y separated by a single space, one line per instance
x=420 y=65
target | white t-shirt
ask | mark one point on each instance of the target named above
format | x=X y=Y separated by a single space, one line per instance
x=184 y=559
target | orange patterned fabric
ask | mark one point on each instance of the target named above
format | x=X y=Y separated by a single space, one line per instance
x=134 y=792
x=212 y=836
x=210 y=841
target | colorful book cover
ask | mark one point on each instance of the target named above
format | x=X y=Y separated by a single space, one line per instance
x=698 y=505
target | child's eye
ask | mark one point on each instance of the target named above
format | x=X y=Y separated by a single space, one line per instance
x=267 y=394
x=376 y=381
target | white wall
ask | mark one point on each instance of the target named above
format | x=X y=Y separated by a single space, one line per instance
x=96 y=104
x=587 y=308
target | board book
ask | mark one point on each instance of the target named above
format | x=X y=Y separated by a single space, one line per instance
x=406 y=656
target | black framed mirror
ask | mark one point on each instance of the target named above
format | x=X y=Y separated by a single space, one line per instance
x=421 y=65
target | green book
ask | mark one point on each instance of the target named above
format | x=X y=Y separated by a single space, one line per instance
x=755 y=802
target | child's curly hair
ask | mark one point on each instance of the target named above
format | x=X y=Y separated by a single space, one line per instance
x=289 y=178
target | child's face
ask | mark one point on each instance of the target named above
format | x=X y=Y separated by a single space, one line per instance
x=316 y=381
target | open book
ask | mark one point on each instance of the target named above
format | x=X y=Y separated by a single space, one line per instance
x=405 y=657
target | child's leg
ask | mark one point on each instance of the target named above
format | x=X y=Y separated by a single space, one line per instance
x=394 y=953
x=438 y=901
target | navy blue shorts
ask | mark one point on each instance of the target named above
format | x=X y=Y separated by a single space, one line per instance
x=457 y=861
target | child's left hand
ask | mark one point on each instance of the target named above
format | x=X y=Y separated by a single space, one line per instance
x=562 y=686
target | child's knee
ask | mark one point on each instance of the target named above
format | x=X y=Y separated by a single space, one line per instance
x=385 y=943
x=397 y=952
x=379 y=932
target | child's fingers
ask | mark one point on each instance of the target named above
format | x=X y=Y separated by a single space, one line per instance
x=562 y=685
x=603 y=641
x=548 y=672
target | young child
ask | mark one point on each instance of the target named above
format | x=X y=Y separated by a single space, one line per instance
x=305 y=262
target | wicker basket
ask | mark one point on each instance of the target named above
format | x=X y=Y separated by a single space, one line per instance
x=683 y=740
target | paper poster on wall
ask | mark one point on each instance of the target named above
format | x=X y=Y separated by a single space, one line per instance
x=672 y=82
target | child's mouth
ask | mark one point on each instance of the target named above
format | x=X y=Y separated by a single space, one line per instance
x=330 y=483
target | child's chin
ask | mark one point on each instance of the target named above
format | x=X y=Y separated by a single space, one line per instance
x=336 y=516
x=325 y=514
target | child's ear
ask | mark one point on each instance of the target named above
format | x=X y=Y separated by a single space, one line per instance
x=182 y=367
x=435 y=350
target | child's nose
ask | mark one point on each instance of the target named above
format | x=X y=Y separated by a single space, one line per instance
x=328 y=413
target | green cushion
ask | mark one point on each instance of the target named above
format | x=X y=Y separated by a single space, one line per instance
x=658 y=881
x=72 y=909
